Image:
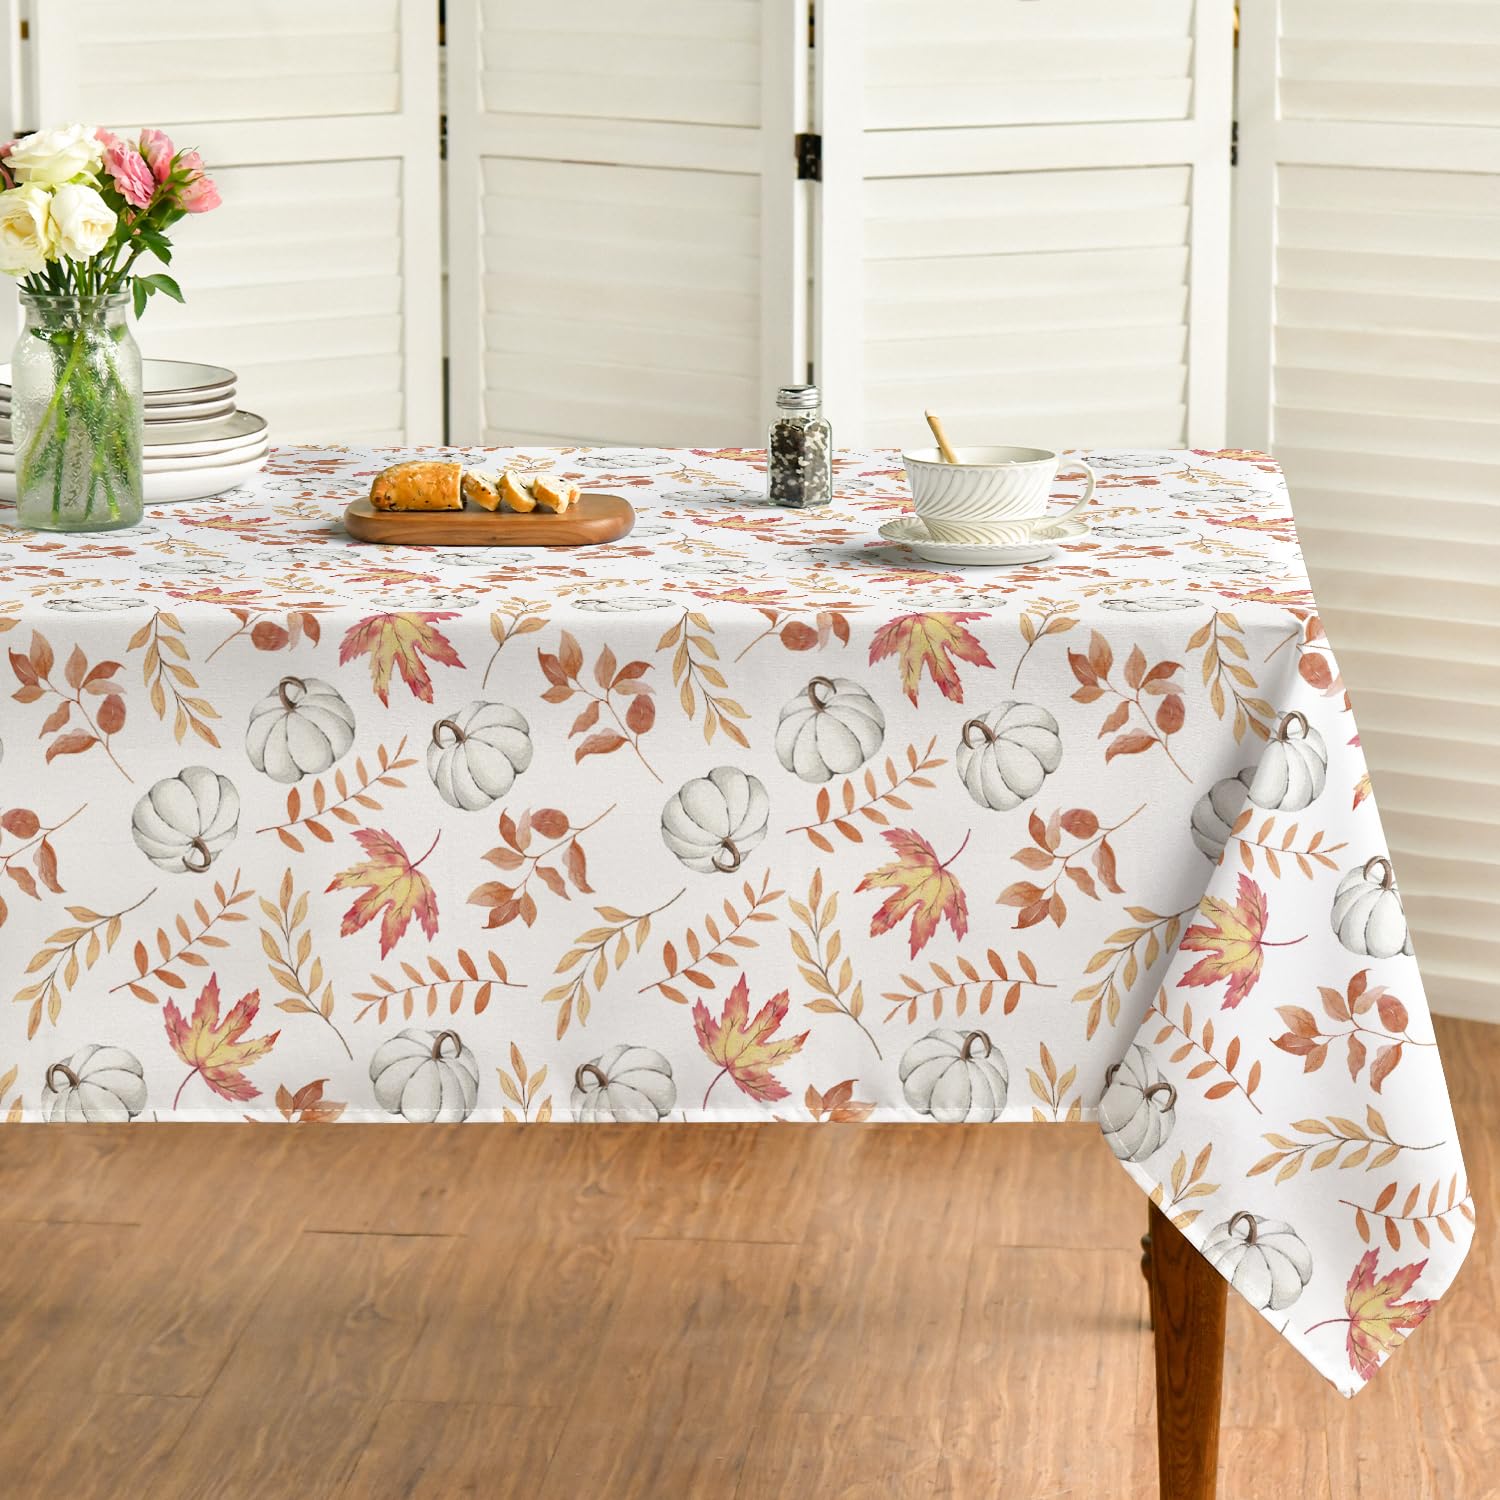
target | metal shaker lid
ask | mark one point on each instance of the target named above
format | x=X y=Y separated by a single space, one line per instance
x=798 y=397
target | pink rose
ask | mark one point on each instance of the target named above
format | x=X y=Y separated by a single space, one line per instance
x=129 y=171
x=157 y=148
x=198 y=193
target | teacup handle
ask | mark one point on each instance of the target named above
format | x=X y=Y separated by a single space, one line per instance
x=1080 y=502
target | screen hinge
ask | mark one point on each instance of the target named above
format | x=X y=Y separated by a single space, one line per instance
x=809 y=157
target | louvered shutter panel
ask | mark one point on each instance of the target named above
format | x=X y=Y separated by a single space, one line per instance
x=1367 y=357
x=13 y=121
x=625 y=224
x=319 y=279
x=1024 y=219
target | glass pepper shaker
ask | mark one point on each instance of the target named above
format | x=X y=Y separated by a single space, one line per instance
x=799 y=450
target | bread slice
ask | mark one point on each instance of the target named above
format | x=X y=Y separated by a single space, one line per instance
x=554 y=494
x=481 y=490
x=419 y=484
x=516 y=492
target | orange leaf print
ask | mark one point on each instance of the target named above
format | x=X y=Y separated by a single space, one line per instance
x=838 y=1106
x=1232 y=941
x=393 y=889
x=921 y=887
x=308 y=1106
x=742 y=1046
x=213 y=1050
x=1378 y=1319
x=399 y=641
x=930 y=641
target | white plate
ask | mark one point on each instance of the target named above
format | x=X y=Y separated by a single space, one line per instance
x=151 y=464
x=1031 y=544
x=176 y=439
x=168 y=381
x=184 y=484
x=180 y=379
x=199 y=484
x=222 y=435
x=156 y=416
x=197 y=411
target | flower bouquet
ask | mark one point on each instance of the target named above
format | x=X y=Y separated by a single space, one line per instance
x=78 y=209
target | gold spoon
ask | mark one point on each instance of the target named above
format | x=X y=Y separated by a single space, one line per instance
x=934 y=422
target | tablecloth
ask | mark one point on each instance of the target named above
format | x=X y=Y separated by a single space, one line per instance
x=749 y=816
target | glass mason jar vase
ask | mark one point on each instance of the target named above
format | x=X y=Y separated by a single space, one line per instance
x=77 y=418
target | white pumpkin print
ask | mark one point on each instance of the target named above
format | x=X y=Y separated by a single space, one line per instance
x=734 y=493
x=425 y=1076
x=1367 y=912
x=1293 y=770
x=955 y=1076
x=832 y=727
x=98 y=604
x=1139 y=1107
x=1242 y=567
x=1152 y=604
x=1003 y=756
x=713 y=567
x=481 y=557
x=1265 y=1261
x=621 y=604
x=98 y=1085
x=625 y=1083
x=1133 y=462
x=186 y=821
x=476 y=755
x=193 y=567
x=299 y=729
x=610 y=459
x=716 y=820
x=1142 y=531
x=1219 y=494
x=1215 y=812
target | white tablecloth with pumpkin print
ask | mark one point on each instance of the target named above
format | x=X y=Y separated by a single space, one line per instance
x=748 y=816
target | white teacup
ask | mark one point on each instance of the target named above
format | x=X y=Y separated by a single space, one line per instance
x=988 y=491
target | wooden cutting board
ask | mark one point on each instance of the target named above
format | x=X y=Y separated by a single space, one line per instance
x=591 y=518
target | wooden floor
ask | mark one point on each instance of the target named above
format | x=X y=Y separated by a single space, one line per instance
x=721 y=1312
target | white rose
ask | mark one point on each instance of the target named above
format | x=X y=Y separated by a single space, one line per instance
x=84 y=220
x=53 y=156
x=28 y=232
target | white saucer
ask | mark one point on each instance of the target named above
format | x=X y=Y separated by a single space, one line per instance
x=1025 y=543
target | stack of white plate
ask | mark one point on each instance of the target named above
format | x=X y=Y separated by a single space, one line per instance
x=197 y=442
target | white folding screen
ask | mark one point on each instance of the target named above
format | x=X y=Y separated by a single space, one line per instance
x=625 y=224
x=318 y=280
x=13 y=121
x=1366 y=356
x=1024 y=219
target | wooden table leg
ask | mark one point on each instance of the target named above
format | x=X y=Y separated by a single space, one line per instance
x=1188 y=1303
x=1146 y=1271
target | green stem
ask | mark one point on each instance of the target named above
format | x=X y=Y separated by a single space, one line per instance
x=49 y=416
